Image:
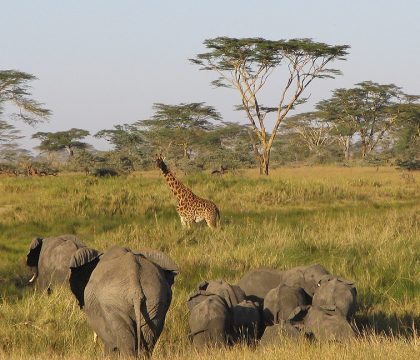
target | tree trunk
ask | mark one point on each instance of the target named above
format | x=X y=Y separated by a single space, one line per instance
x=347 y=149
x=70 y=151
x=364 y=150
x=265 y=157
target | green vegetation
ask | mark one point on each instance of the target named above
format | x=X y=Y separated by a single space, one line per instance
x=361 y=223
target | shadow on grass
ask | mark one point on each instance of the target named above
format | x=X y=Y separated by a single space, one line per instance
x=391 y=325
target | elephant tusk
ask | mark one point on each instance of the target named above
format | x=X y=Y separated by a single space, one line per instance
x=34 y=276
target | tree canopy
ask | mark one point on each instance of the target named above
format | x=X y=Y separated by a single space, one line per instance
x=246 y=65
x=15 y=89
x=68 y=140
x=370 y=109
x=180 y=126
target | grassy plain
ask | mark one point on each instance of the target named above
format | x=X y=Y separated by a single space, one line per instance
x=360 y=223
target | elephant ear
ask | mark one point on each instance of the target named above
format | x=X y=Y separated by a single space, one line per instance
x=160 y=259
x=32 y=256
x=83 y=256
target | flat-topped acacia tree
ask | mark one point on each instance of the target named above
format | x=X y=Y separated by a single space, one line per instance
x=247 y=64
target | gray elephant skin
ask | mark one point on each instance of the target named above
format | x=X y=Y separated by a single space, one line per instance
x=220 y=315
x=49 y=259
x=284 y=303
x=257 y=283
x=209 y=322
x=326 y=323
x=338 y=292
x=125 y=296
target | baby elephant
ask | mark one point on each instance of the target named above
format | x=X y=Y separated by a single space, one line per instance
x=325 y=323
x=338 y=292
x=125 y=295
x=284 y=303
x=49 y=259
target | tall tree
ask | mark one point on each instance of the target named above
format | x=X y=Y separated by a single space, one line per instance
x=125 y=138
x=179 y=125
x=247 y=64
x=407 y=134
x=68 y=140
x=130 y=145
x=369 y=109
x=15 y=89
x=312 y=132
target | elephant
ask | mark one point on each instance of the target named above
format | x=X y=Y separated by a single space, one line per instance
x=49 y=259
x=257 y=283
x=274 y=333
x=306 y=277
x=326 y=323
x=247 y=326
x=221 y=315
x=337 y=292
x=284 y=303
x=232 y=294
x=210 y=322
x=124 y=294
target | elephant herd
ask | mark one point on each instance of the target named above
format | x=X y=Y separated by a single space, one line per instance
x=126 y=294
x=305 y=301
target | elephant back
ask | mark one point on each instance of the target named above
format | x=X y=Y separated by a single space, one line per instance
x=257 y=283
x=232 y=294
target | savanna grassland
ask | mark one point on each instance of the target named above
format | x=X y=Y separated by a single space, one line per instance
x=360 y=223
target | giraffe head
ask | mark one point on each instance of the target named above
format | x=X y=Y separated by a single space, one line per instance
x=160 y=164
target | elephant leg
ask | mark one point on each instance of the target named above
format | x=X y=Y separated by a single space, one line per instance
x=116 y=332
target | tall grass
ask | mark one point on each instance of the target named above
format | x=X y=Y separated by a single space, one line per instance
x=361 y=223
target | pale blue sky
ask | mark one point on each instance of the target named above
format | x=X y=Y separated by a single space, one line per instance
x=102 y=62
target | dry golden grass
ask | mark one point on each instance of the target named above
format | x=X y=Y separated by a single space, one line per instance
x=361 y=223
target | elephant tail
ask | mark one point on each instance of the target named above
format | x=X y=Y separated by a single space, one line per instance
x=139 y=307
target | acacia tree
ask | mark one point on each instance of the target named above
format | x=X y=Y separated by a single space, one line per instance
x=407 y=136
x=180 y=125
x=15 y=89
x=130 y=145
x=8 y=133
x=68 y=140
x=369 y=109
x=310 y=129
x=247 y=64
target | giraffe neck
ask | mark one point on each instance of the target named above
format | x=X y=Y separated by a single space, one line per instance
x=177 y=188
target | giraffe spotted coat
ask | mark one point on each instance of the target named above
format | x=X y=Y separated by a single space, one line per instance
x=191 y=208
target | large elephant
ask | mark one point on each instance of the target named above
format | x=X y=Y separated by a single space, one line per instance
x=49 y=259
x=125 y=295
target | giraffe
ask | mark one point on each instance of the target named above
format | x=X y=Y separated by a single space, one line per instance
x=190 y=207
